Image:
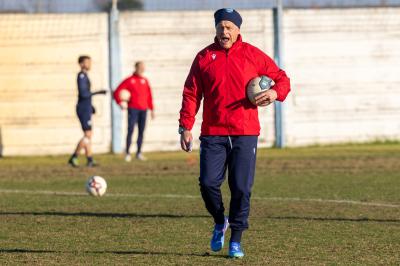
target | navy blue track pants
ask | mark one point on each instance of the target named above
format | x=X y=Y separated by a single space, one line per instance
x=139 y=117
x=237 y=155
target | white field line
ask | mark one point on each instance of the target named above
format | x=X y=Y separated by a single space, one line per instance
x=185 y=196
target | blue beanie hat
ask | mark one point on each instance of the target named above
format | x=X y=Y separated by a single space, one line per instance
x=229 y=14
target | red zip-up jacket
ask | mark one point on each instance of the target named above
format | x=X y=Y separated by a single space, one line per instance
x=220 y=77
x=140 y=90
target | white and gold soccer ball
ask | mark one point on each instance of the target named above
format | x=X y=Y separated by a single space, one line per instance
x=258 y=85
x=125 y=95
x=96 y=186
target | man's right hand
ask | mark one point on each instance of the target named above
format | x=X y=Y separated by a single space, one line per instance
x=186 y=140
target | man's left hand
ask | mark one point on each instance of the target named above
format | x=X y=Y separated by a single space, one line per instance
x=152 y=114
x=265 y=98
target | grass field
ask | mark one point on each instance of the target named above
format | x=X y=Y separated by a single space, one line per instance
x=336 y=205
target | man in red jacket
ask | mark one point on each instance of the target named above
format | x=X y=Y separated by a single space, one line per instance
x=230 y=128
x=140 y=101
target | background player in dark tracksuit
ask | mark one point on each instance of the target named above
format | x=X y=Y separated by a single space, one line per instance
x=140 y=101
x=84 y=110
x=230 y=128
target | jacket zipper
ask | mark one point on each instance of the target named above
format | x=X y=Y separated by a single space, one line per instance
x=226 y=89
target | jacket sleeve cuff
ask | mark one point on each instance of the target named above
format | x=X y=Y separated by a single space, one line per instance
x=280 y=96
x=186 y=124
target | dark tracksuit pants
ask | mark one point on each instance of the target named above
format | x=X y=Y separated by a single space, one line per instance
x=237 y=154
x=139 y=117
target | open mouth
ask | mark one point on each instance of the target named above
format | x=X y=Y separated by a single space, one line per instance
x=224 y=39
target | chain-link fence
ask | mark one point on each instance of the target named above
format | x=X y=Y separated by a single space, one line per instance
x=85 y=6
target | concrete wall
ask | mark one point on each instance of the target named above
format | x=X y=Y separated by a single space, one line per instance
x=345 y=70
x=343 y=63
x=38 y=92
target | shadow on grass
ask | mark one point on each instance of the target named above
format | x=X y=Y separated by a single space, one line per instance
x=334 y=219
x=106 y=215
x=133 y=252
x=116 y=252
x=21 y=250
x=177 y=216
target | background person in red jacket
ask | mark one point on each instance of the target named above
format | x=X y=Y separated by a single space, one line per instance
x=140 y=101
x=230 y=128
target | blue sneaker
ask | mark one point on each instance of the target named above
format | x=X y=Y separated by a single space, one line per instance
x=235 y=250
x=217 y=240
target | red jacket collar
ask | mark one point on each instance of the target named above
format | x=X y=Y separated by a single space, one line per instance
x=136 y=75
x=235 y=45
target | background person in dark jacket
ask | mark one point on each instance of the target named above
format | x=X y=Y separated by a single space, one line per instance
x=230 y=128
x=84 y=110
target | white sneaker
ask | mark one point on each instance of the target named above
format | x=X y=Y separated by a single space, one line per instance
x=140 y=157
x=128 y=158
